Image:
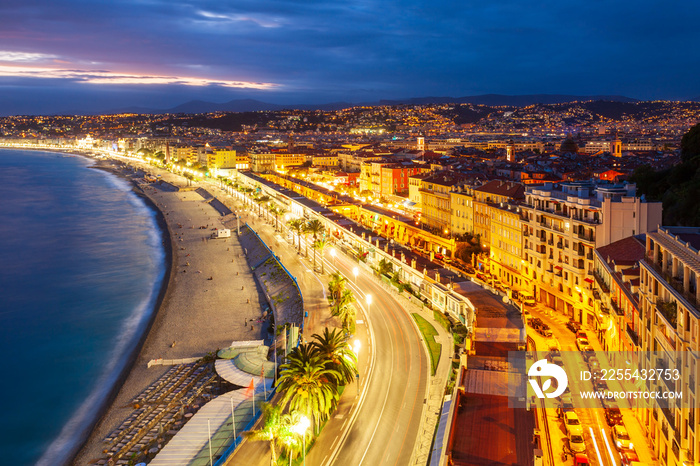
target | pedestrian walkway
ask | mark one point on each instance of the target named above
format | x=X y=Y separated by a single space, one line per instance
x=227 y=370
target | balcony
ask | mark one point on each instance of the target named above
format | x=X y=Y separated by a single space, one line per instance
x=675 y=283
x=586 y=237
x=633 y=336
x=617 y=308
x=603 y=286
x=669 y=310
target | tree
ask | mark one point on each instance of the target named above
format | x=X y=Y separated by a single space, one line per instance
x=314 y=227
x=270 y=431
x=336 y=286
x=297 y=225
x=384 y=267
x=308 y=385
x=305 y=232
x=690 y=143
x=344 y=309
x=335 y=349
x=321 y=246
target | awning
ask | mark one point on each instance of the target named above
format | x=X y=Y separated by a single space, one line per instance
x=557 y=267
x=589 y=280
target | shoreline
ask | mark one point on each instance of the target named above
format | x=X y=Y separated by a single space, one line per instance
x=168 y=307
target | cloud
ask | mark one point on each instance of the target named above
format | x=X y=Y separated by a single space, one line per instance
x=236 y=18
x=10 y=56
x=109 y=77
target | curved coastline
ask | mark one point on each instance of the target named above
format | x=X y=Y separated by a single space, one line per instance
x=199 y=315
x=129 y=357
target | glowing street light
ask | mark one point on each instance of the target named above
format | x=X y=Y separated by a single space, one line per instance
x=333 y=255
x=300 y=428
x=355 y=272
x=368 y=300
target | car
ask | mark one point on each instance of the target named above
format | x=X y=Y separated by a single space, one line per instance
x=600 y=385
x=581 y=334
x=572 y=423
x=628 y=457
x=544 y=330
x=573 y=326
x=613 y=416
x=576 y=443
x=582 y=345
x=581 y=459
x=535 y=322
x=527 y=298
x=621 y=438
x=482 y=277
x=469 y=269
x=438 y=256
x=566 y=405
x=593 y=363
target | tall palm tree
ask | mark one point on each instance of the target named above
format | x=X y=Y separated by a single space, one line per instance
x=336 y=286
x=305 y=232
x=308 y=385
x=321 y=246
x=270 y=431
x=289 y=439
x=344 y=309
x=315 y=227
x=297 y=225
x=279 y=211
x=334 y=347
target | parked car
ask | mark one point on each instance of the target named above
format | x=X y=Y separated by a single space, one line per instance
x=582 y=345
x=593 y=363
x=573 y=326
x=621 y=438
x=438 y=256
x=628 y=457
x=482 y=277
x=576 y=443
x=544 y=331
x=581 y=334
x=613 y=416
x=572 y=423
x=527 y=298
x=469 y=269
x=565 y=406
x=581 y=459
x=600 y=385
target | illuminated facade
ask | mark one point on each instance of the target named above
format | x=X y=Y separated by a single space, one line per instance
x=565 y=223
x=669 y=297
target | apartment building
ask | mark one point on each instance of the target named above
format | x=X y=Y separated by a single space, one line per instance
x=414 y=194
x=616 y=271
x=669 y=298
x=565 y=223
x=462 y=209
x=435 y=199
x=506 y=243
x=491 y=194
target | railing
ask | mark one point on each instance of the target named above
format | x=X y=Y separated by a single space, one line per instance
x=603 y=286
x=617 y=308
x=691 y=383
x=633 y=335
x=676 y=284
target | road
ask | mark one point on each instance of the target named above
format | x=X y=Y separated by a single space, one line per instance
x=597 y=435
x=386 y=426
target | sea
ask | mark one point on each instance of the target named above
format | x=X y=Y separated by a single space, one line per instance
x=81 y=265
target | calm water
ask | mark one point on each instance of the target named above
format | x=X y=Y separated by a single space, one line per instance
x=80 y=267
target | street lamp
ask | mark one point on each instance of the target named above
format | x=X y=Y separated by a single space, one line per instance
x=368 y=300
x=333 y=255
x=355 y=272
x=300 y=428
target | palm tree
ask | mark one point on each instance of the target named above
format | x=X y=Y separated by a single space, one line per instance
x=384 y=267
x=344 y=309
x=279 y=211
x=321 y=246
x=270 y=431
x=305 y=232
x=289 y=439
x=334 y=347
x=314 y=227
x=336 y=286
x=297 y=225
x=308 y=385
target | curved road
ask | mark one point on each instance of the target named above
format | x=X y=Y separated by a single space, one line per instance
x=386 y=427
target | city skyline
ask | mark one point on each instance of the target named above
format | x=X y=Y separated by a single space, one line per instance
x=83 y=58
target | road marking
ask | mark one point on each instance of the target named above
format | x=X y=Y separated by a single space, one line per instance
x=605 y=437
x=595 y=444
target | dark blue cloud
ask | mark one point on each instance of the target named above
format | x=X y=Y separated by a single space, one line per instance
x=362 y=50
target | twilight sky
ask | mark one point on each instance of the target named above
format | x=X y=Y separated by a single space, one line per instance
x=81 y=55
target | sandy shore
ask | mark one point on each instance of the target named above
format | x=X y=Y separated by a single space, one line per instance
x=196 y=315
